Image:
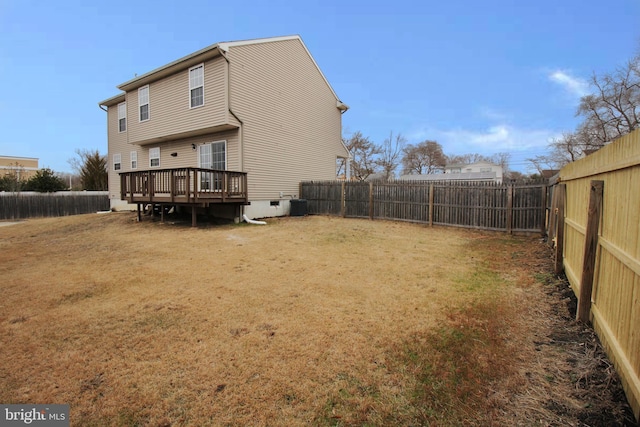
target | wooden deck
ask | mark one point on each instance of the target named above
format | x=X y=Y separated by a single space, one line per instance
x=193 y=187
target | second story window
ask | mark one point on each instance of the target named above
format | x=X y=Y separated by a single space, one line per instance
x=143 y=103
x=117 y=162
x=196 y=86
x=122 y=117
x=154 y=157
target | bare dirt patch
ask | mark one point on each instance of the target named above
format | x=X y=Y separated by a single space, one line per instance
x=315 y=320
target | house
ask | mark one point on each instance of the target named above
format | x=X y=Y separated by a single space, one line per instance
x=477 y=172
x=230 y=130
x=22 y=168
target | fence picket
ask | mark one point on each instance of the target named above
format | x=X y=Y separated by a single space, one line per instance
x=517 y=206
x=33 y=205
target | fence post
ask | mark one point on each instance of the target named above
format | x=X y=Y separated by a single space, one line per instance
x=543 y=223
x=343 y=209
x=558 y=213
x=509 y=208
x=590 y=249
x=431 y=205
x=371 y=200
x=553 y=217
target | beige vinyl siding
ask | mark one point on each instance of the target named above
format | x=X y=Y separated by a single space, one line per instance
x=117 y=143
x=292 y=128
x=169 y=105
x=186 y=155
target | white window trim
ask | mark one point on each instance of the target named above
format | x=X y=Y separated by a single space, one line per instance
x=133 y=156
x=191 y=88
x=124 y=104
x=117 y=160
x=226 y=152
x=147 y=104
x=151 y=158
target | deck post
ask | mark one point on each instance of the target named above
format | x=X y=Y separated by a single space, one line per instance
x=172 y=185
x=150 y=186
x=224 y=186
x=194 y=217
x=139 y=213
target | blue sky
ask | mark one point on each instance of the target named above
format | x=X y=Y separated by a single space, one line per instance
x=483 y=77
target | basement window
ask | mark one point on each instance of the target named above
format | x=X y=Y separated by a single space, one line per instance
x=275 y=203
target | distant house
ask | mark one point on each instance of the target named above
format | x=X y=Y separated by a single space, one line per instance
x=22 y=168
x=231 y=129
x=479 y=172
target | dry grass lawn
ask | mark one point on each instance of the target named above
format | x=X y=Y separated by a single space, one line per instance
x=305 y=321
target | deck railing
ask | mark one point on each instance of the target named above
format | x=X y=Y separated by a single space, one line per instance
x=184 y=186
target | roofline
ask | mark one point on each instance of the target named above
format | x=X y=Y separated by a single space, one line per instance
x=211 y=52
x=208 y=52
x=19 y=158
x=226 y=45
x=113 y=100
x=455 y=165
x=201 y=55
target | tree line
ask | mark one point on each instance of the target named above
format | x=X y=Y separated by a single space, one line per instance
x=610 y=111
x=394 y=155
x=90 y=174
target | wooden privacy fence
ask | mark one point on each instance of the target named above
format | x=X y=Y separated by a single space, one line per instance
x=509 y=207
x=595 y=223
x=32 y=205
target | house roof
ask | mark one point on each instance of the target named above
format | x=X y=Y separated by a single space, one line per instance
x=206 y=53
x=113 y=100
x=470 y=176
x=18 y=158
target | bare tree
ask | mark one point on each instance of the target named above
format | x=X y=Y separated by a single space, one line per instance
x=389 y=157
x=564 y=150
x=426 y=157
x=13 y=180
x=502 y=160
x=363 y=153
x=613 y=109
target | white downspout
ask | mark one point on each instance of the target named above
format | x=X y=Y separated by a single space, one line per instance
x=253 y=221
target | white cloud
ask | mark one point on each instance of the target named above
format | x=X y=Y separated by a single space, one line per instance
x=497 y=138
x=574 y=85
